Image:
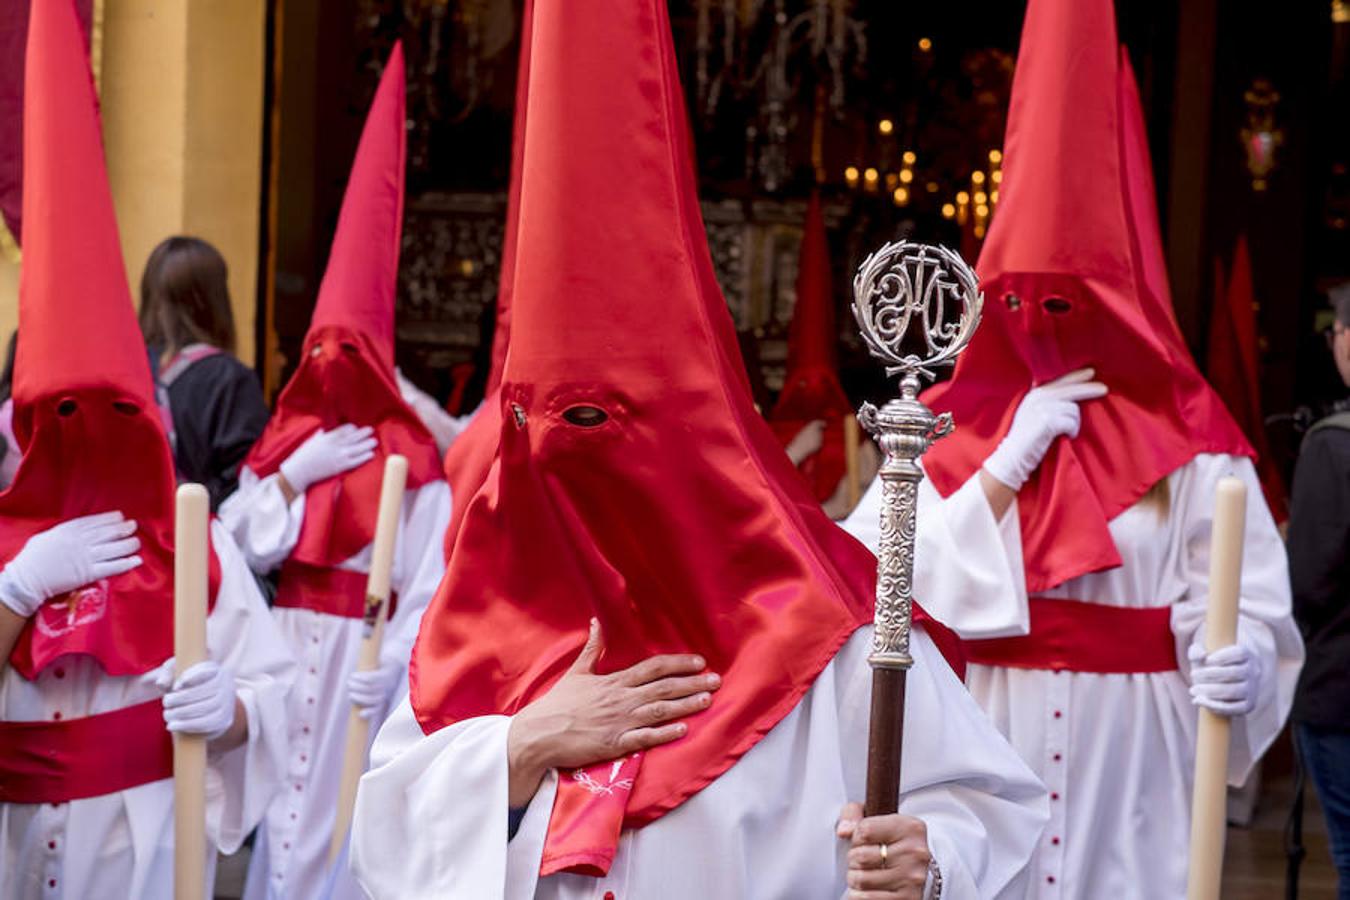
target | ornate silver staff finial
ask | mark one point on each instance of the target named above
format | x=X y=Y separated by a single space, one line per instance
x=917 y=306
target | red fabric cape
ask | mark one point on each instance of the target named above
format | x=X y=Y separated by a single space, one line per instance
x=1073 y=276
x=84 y=409
x=469 y=457
x=677 y=522
x=343 y=380
x=811 y=388
x=346 y=375
x=1233 y=366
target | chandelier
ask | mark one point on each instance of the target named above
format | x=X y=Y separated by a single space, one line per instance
x=451 y=50
x=759 y=51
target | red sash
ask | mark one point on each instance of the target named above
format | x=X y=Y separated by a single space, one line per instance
x=1074 y=636
x=337 y=592
x=54 y=762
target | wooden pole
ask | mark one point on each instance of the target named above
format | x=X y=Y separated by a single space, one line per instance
x=852 y=473
x=189 y=648
x=377 y=599
x=1209 y=806
x=885 y=738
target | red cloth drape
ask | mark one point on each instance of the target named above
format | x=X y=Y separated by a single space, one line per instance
x=84 y=407
x=676 y=519
x=1073 y=276
x=1233 y=366
x=13 y=38
x=347 y=373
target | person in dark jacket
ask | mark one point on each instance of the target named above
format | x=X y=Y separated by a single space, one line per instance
x=217 y=407
x=1319 y=564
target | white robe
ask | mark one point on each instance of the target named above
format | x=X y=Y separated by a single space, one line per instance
x=431 y=813
x=120 y=845
x=290 y=857
x=1117 y=750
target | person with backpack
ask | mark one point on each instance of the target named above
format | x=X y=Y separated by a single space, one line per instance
x=1319 y=566
x=216 y=406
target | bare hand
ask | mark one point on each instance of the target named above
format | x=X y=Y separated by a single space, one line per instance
x=902 y=872
x=586 y=718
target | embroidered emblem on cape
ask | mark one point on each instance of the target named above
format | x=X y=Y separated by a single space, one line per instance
x=615 y=783
x=64 y=614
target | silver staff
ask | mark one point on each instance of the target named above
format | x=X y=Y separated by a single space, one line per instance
x=917 y=307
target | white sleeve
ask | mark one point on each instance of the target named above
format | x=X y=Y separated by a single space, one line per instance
x=984 y=809
x=967 y=565
x=1265 y=624
x=262 y=523
x=243 y=637
x=431 y=814
x=444 y=427
x=419 y=567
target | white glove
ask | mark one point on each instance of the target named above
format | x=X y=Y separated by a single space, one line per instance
x=807 y=442
x=1045 y=413
x=369 y=690
x=326 y=454
x=200 y=701
x=444 y=427
x=1224 y=681
x=68 y=556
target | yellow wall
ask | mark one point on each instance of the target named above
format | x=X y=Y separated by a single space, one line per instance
x=224 y=152
x=9 y=297
x=182 y=99
x=144 y=107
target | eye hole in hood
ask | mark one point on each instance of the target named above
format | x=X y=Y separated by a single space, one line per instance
x=585 y=416
x=1057 y=305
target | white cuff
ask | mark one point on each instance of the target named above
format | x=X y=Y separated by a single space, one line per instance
x=15 y=597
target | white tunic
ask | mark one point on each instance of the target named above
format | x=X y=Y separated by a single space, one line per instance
x=1117 y=750
x=431 y=813
x=290 y=856
x=121 y=845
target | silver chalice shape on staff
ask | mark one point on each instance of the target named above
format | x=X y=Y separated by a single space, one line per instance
x=917 y=307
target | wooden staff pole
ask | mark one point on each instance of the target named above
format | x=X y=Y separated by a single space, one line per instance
x=852 y=473
x=189 y=648
x=377 y=600
x=1209 y=807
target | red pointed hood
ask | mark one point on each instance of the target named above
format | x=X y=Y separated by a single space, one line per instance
x=1074 y=276
x=501 y=335
x=347 y=372
x=633 y=480
x=811 y=388
x=84 y=407
x=468 y=459
x=357 y=293
x=1234 y=368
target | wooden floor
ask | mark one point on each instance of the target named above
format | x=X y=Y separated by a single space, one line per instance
x=1254 y=864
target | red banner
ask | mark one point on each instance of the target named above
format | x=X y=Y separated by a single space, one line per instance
x=13 y=37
